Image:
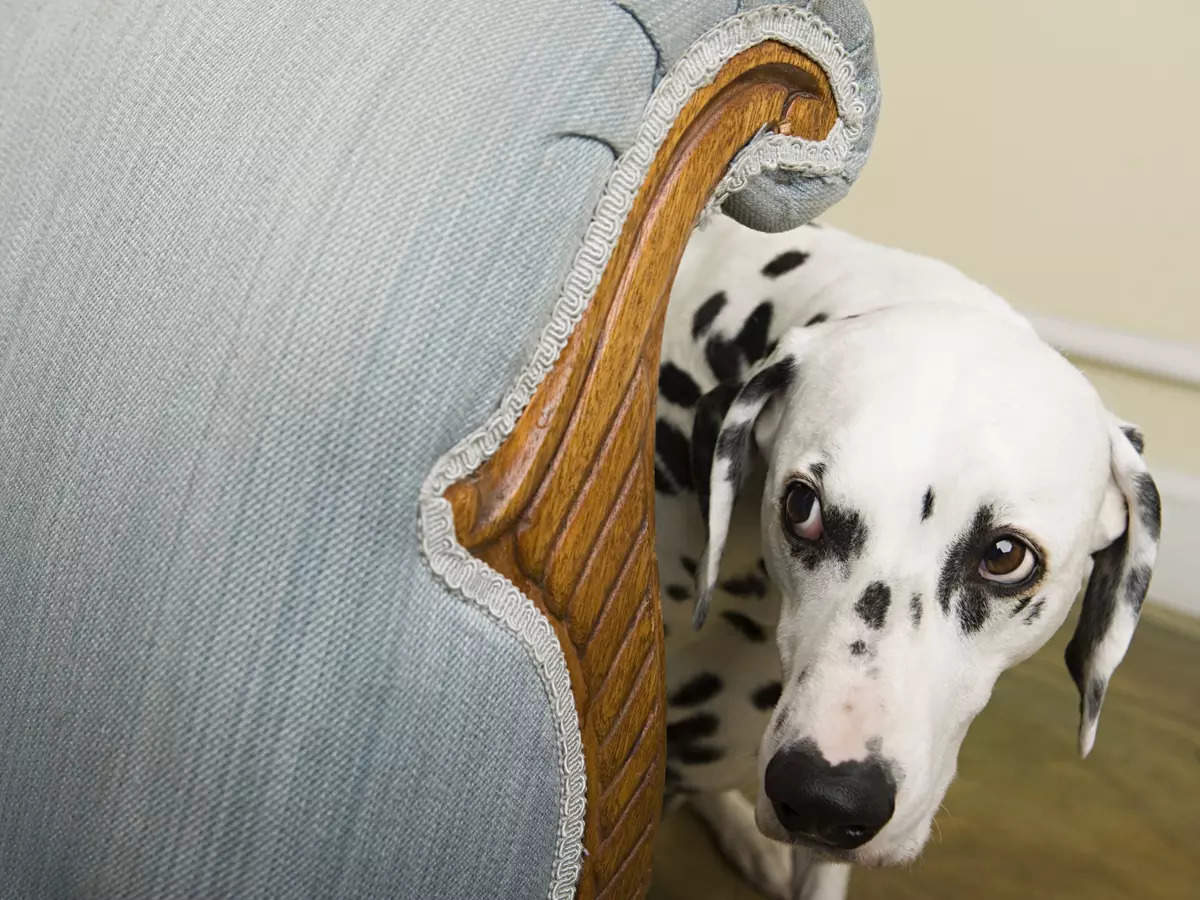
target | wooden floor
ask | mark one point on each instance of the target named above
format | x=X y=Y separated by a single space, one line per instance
x=1026 y=817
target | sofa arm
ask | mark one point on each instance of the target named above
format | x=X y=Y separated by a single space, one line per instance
x=563 y=508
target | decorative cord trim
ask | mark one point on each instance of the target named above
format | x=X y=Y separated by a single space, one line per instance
x=826 y=159
x=472 y=578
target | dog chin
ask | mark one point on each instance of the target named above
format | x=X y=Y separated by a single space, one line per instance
x=889 y=853
x=883 y=851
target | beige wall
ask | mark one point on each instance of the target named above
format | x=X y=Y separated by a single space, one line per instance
x=1047 y=148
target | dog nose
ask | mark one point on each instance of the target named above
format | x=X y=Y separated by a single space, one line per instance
x=841 y=806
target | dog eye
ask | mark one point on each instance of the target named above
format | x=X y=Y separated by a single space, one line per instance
x=1007 y=560
x=802 y=512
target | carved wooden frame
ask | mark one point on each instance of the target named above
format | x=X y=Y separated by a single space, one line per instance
x=565 y=507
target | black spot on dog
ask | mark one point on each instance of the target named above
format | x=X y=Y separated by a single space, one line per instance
x=733 y=446
x=677 y=385
x=678 y=592
x=733 y=442
x=1096 y=612
x=1134 y=437
x=1149 y=503
x=689 y=564
x=809 y=554
x=1095 y=697
x=1021 y=604
x=691 y=729
x=957 y=569
x=972 y=610
x=874 y=745
x=784 y=262
x=706 y=312
x=706 y=428
x=698 y=689
x=858 y=648
x=695 y=754
x=780 y=720
x=662 y=483
x=673 y=449
x=873 y=605
x=752 y=339
x=746 y=626
x=746 y=586
x=845 y=532
x=724 y=358
x=817 y=320
x=1136 y=585
x=845 y=536
x=803 y=674
x=914 y=610
x=683 y=739
x=772 y=379
x=1035 y=611
x=767 y=696
x=927 y=504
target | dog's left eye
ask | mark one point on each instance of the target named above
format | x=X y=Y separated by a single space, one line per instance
x=802 y=512
x=1007 y=560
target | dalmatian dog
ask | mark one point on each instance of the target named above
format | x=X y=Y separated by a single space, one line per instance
x=876 y=489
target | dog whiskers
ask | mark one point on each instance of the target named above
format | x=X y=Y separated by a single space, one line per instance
x=937 y=826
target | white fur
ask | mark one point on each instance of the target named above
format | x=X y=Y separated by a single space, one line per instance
x=767 y=864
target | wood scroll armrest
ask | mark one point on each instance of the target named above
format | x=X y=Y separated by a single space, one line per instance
x=565 y=507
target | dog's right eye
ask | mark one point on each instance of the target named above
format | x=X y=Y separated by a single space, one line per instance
x=802 y=512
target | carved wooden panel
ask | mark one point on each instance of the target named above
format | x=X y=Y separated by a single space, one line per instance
x=565 y=507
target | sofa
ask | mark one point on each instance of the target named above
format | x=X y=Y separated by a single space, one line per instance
x=328 y=352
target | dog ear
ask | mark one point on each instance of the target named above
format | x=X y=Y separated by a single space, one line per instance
x=1120 y=576
x=721 y=453
x=706 y=429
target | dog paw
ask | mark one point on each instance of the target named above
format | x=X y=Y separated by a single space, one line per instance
x=765 y=863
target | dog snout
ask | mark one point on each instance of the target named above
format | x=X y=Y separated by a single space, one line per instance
x=840 y=806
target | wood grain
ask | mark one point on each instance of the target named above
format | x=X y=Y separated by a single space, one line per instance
x=565 y=507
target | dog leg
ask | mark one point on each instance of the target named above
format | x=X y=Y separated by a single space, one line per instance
x=813 y=879
x=765 y=863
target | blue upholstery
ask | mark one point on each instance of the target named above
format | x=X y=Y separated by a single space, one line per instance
x=260 y=266
x=777 y=199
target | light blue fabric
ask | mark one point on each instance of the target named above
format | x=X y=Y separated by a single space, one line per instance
x=260 y=265
x=777 y=200
x=672 y=26
x=774 y=200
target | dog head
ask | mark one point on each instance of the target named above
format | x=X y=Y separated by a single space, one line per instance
x=938 y=485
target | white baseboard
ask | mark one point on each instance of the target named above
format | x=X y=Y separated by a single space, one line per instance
x=1158 y=358
x=1176 y=581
